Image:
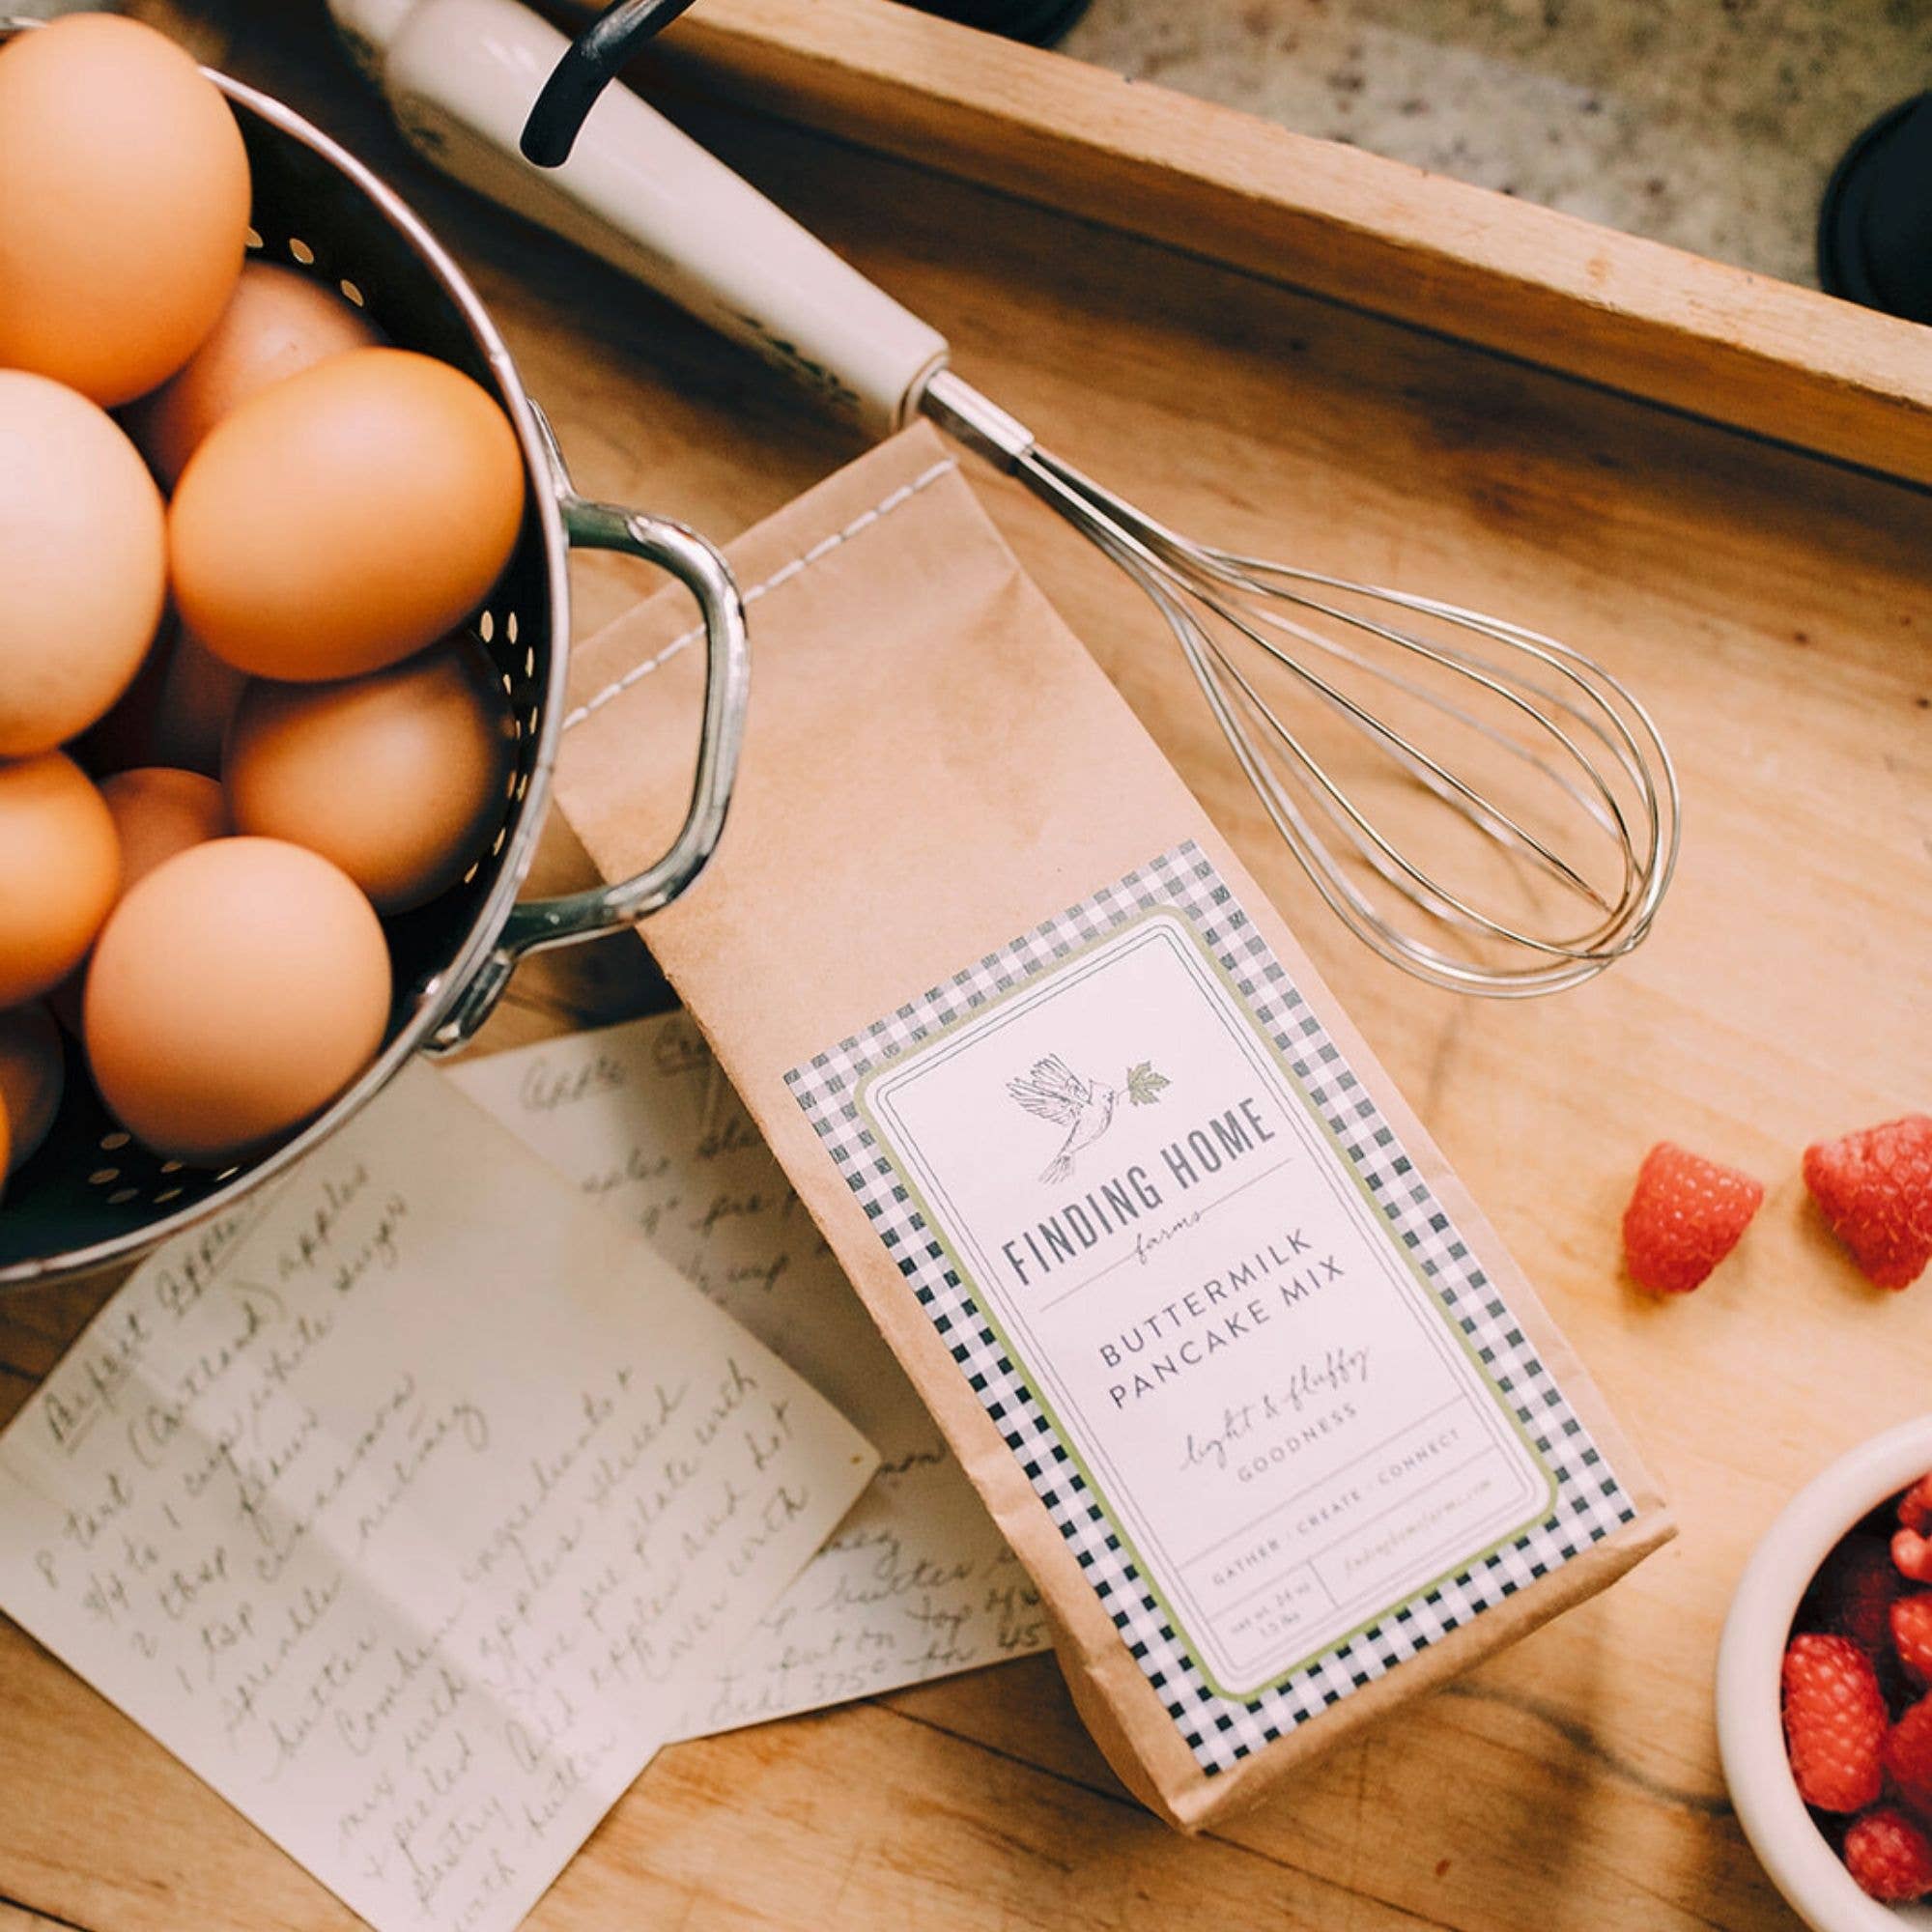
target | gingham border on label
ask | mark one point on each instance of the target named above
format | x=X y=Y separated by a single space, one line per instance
x=1591 y=1503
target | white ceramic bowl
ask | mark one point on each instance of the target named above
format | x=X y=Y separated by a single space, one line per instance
x=1750 y=1734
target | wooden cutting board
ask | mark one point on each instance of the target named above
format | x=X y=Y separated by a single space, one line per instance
x=1770 y=605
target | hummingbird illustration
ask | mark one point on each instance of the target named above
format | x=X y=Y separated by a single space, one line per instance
x=1053 y=1091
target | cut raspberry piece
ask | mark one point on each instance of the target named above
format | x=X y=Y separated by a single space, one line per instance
x=1684 y=1216
x=1889 y=1856
x=1875 y=1190
x=1912 y=1637
x=1834 y=1721
x=1908 y=1758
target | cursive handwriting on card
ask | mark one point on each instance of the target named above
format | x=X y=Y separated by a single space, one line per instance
x=406 y=1507
x=918 y=1582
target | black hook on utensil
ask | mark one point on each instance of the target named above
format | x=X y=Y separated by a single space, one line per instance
x=587 y=67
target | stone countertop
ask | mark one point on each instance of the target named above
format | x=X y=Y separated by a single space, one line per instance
x=1709 y=124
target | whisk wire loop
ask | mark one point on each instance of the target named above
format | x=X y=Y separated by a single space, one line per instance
x=1542 y=719
x=1588 y=741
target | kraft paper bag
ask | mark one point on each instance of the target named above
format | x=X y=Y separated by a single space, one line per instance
x=1241 y=1372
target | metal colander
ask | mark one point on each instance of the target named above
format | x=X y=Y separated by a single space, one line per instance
x=92 y=1196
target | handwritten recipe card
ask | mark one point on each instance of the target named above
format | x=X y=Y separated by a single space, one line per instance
x=918 y=1584
x=408 y=1506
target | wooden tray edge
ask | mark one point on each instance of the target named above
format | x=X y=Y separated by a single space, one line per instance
x=1755 y=354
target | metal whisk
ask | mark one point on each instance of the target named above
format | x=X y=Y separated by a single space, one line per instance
x=1553 y=823
x=1524 y=702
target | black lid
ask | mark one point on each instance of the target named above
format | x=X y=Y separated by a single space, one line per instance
x=1875 y=222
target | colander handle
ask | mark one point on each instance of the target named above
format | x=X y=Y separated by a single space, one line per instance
x=537 y=923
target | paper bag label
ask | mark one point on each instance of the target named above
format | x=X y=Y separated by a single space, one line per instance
x=1232 y=1342
x=1219 y=1317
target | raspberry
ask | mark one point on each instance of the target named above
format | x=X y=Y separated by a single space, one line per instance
x=1910 y=1550
x=1908 y=1758
x=1915 y=1505
x=1875 y=1189
x=1853 y=1592
x=1889 y=1856
x=1834 y=1721
x=1911 y=1636
x=1684 y=1216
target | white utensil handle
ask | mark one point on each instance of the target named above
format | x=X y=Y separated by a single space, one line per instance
x=461 y=77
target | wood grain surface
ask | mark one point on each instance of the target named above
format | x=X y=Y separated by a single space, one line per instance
x=1772 y=608
x=15 y=1919
x=1563 y=293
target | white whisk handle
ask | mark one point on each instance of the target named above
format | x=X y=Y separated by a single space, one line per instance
x=459 y=77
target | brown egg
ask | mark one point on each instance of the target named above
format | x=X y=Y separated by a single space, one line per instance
x=159 y=813
x=83 y=559
x=117 y=739
x=32 y=1076
x=156 y=812
x=234 y=992
x=60 y=865
x=175 y=713
x=198 y=695
x=399 y=778
x=345 y=517
x=124 y=212
x=277 y=323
